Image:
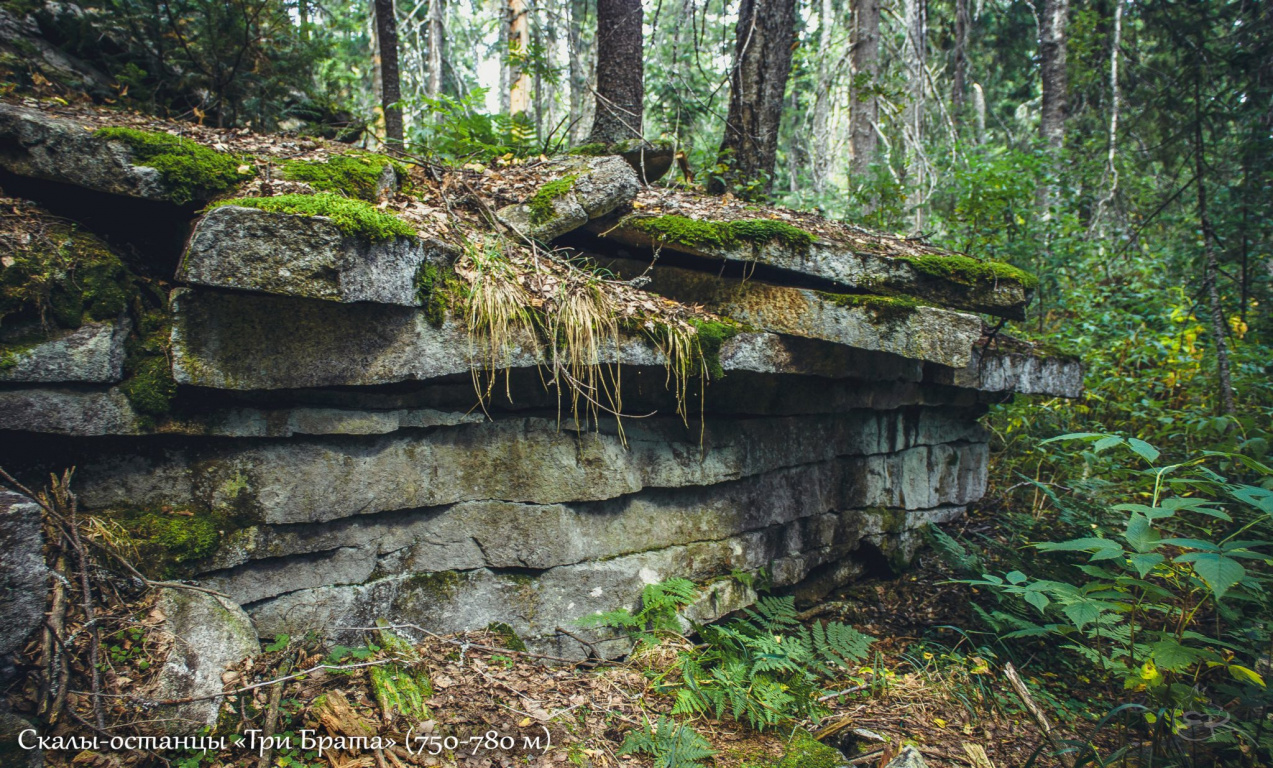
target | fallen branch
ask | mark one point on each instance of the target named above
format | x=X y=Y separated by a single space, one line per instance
x=1036 y=712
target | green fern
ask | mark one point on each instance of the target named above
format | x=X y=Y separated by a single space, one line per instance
x=661 y=605
x=765 y=668
x=951 y=552
x=672 y=744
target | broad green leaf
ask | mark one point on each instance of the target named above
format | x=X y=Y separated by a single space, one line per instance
x=1109 y=441
x=1205 y=546
x=1037 y=599
x=1171 y=655
x=1072 y=436
x=1143 y=449
x=1015 y=577
x=1101 y=549
x=1242 y=674
x=1146 y=562
x=1219 y=572
x=1140 y=534
x=1083 y=612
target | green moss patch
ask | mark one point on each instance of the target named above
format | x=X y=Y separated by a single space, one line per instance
x=190 y=170
x=969 y=271
x=353 y=217
x=804 y=751
x=401 y=690
x=148 y=383
x=541 y=203
x=884 y=308
x=595 y=149
x=437 y=289
x=721 y=234
x=507 y=636
x=65 y=277
x=712 y=335
x=353 y=175
x=169 y=540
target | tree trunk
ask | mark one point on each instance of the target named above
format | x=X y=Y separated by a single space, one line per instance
x=914 y=57
x=620 y=72
x=518 y=47
x=579 y=93
x=765 y=39
x=1115 y=95
x=1052 y=50
x=390 y=83
x=821 y=162
x=437 y=37
x=864 y=107
x=963 y=21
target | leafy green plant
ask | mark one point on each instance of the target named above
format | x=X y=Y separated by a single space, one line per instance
x=1167 y=589
x=671 y=744
x=660 y=610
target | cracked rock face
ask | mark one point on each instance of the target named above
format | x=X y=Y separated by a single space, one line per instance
x=600 y=185
x=24 y=578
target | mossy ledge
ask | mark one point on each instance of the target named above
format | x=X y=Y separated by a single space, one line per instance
x=355 y=175
x=148 y=383
x=190 y=170
x=353 y=217
x=884 y=308
x=712 y=335
x=438 y=290
x=168 y=541
x=968 y=271
x=541 y=203
x=721 y=234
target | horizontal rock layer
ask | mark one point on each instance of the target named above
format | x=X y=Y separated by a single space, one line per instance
x=92 y=353
x=253 y=250
x=844 y=266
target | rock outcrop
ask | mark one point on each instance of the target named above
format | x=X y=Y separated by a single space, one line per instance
x=23 y=574
x=334 y=421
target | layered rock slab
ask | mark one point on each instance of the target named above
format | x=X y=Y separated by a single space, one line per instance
x=91 y=354
x=306 y=256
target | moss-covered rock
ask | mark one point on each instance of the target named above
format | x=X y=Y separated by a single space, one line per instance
x=351 y=216
x=968 y=271
x=804 y=751
x=148 y=383
x=64 y=277
x=355 y=175
x=190 y=170
x=883 y=308
x=712 y=335
x=721 y=234
x=170 y=541
x=438 y=290
x=541 y=203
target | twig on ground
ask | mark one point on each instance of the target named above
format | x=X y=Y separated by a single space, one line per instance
x=1023 y=693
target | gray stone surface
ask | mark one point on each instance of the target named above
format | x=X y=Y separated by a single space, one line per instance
x=602 y=184
x=517 y=460
x=12 y=755
x=925 y=333
x=23 y=573
x=910 y=757
x=82 y=413
x=91 y=354
x=850 y=268
x=534 y=605
x=1025 y=374
x=209 y=634
x=253 y=342
x=56 y=149
x=308 y=256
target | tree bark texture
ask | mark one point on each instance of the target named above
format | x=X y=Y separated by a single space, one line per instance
x=765 y=39
x=620 y=72
x=821 y=162
x=437 y=42
x=915 y=61
x=390 y=82
x=1052 y=52
x=518 y=44
x=864 y=107
x=963 y=20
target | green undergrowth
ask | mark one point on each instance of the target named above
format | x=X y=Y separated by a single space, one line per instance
x=804 y=751
x=721 y=234
x=969 y=271
x=593 y=149
x=353 y=217
x=355 y=175
x=541 y=203
x=437 y=289
x=883 y=308
x=190 y=170
x=65 y=278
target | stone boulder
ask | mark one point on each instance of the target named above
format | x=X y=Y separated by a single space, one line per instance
x=12 y=755
x=209 y=634
x=23 y=574
x=254 y=250
x=586 y=189
x=90 y=354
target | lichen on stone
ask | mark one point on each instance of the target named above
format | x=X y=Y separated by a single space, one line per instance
x=721 y=234
x=354 y=175
x=968 y=271
x=190 y=170
x=541 y=203
x=353 y=217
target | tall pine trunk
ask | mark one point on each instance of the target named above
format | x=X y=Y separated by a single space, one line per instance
x=620 y=72
x=436 y=45
x=915 y=60
x=764 y=42
x=820 y=122
x=963 y=20
x=390 y=82
x=519 y=44
x=864 y=107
